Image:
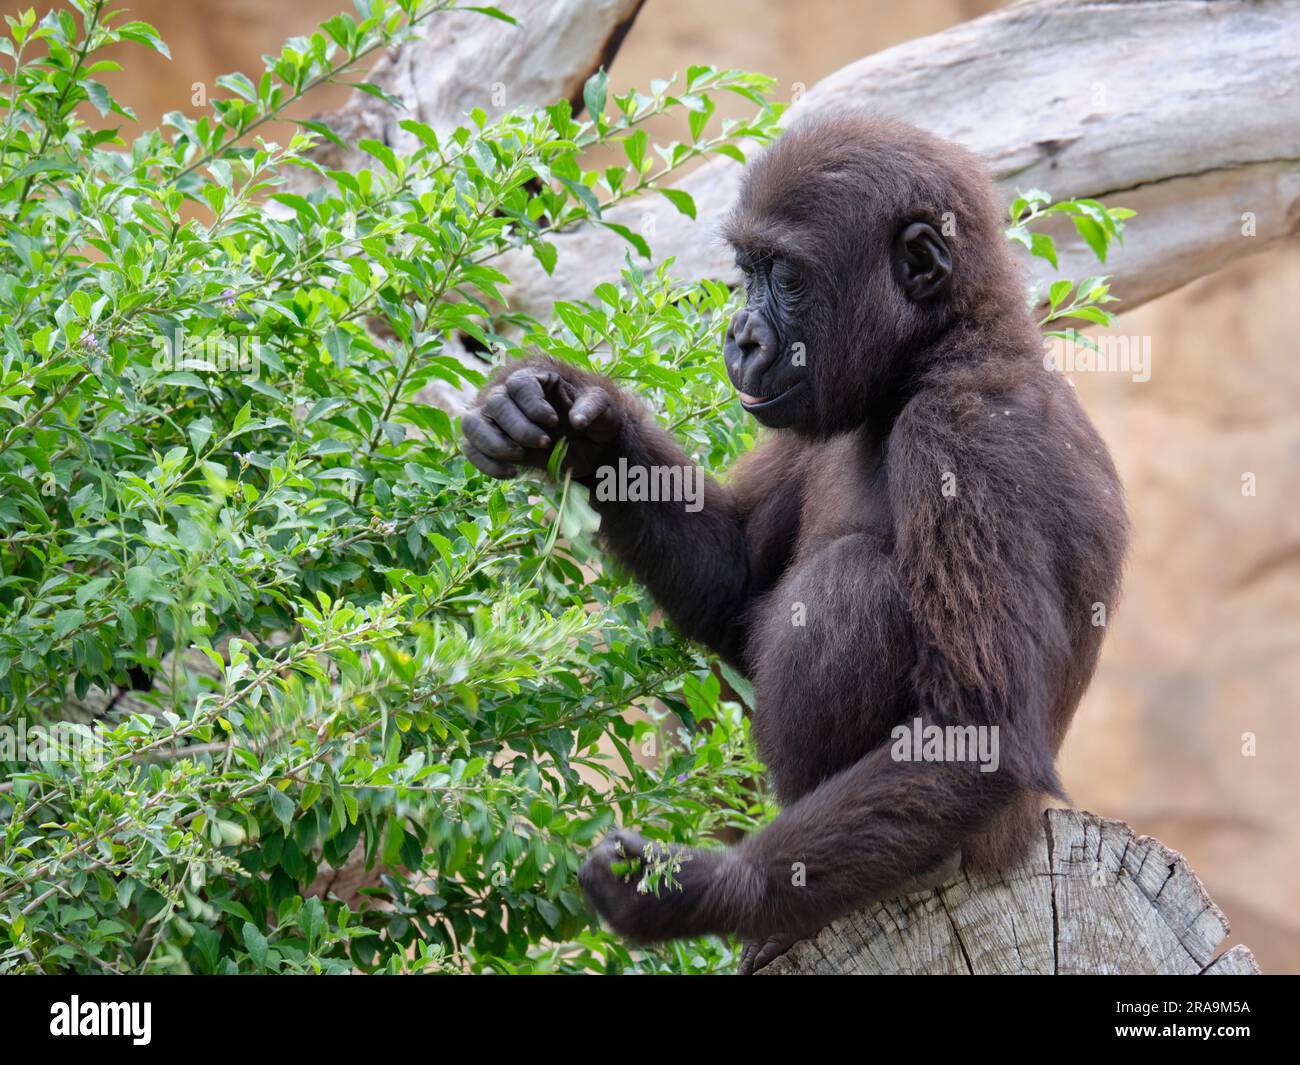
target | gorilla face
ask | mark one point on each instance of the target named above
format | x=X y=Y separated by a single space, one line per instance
x=848 y=278
x=790 y=310
x=765 y=364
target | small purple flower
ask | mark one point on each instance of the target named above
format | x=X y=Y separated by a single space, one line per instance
x=228 y=297
x=681 y=778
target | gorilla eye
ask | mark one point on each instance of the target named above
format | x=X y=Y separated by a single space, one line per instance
x=786 y=279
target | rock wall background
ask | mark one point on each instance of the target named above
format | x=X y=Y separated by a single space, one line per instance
x=1203 y=658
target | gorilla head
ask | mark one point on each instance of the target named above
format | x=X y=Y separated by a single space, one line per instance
x=861 y=242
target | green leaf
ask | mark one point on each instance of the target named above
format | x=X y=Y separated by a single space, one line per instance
x=1044 y=247
x=494 y=12
x=256 y=944
x=200 y=432
x=593 y=93
x=681 y=200
x=635 y=239
x=323 y=130
x=143 y=33
x=92 y=589
x=1092 y=314
x=634 y=147
x=739 y=684
x=240 y=85
x=65 y=621
x=140 y=583
x=379 y=93
x=283 y=807
x=99 y=97
x=313 y=920
x=1093 y=234
x=382 y=152
x=338 y=343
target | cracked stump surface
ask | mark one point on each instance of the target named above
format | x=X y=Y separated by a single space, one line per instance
x=1090 y=898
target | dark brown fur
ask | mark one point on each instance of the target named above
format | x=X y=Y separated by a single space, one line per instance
x=969 y=608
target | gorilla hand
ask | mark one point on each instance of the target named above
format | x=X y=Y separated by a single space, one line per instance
x=619 y=882
x=527 y=407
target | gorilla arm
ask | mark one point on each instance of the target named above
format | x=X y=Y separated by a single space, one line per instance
x=701 y=566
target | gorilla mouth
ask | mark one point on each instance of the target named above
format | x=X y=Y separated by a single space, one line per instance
x=757 y=403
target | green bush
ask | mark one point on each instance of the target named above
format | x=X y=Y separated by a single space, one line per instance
x=213 y=443
x=295 y=631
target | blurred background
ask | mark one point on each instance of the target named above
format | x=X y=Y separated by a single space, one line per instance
x=1189 y=731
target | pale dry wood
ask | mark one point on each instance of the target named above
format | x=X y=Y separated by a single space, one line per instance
x=1185 y=111
x=1235 y=962
x=1090 y=898
x=465 y=60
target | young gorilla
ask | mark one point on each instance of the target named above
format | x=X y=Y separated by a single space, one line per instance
x=930 y=532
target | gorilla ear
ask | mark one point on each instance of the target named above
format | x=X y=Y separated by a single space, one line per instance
x=922 y=262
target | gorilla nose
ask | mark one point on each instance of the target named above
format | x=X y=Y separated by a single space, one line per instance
x=749 y=347
x=754 y=341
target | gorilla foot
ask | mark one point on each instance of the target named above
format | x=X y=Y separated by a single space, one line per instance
x=759 y=952
x=932 y=878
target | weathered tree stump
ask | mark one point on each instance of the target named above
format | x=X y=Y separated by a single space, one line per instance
x=1091 y=898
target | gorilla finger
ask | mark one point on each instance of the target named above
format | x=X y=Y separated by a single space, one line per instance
x=604 y=426
x=589 y=407
x=490 y=466
x=770 y=950
x=526 y=389
x=565 y=393
x=489 y=439
x=514 y=422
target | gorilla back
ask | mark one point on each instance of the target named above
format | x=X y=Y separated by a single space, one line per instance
x=922 y=546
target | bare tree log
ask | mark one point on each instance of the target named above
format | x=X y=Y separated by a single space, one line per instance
x=1184 y=111
x=1091 y=898
x=466 y=60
